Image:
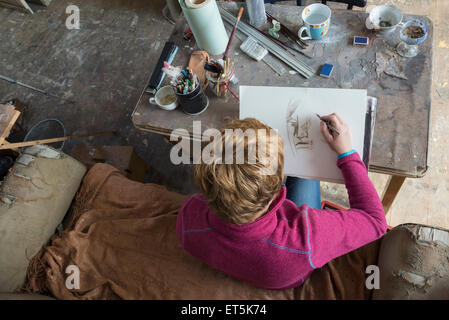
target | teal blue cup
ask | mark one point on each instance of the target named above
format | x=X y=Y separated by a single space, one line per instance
x=316 y=18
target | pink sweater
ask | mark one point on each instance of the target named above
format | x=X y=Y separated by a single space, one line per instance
x=281 y=249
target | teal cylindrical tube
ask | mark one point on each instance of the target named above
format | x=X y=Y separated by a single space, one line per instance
x=207 y=26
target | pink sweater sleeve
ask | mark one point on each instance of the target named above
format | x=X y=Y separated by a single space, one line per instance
x=334 y=233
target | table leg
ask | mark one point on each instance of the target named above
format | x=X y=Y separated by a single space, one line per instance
x=392 y=188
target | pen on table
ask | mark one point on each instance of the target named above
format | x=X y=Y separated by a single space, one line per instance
x=329 y=126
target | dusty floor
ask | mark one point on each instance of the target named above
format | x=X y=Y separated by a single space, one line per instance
x=103 y=67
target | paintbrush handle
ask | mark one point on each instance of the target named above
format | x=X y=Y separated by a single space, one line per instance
x=229 y=44
x=232 y=34
x=298 y=51
x=288 y=33
x=268 y=36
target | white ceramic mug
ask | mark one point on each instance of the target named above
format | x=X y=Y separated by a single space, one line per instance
x=383 y=18
x=316 y=18
x=165 y=98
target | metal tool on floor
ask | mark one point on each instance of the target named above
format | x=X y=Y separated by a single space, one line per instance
x=32 y=88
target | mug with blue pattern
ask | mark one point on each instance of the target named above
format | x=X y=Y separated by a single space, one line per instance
x=316 y=18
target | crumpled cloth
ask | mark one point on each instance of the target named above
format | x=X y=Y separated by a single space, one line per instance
x=121 y=234
x=196 y=63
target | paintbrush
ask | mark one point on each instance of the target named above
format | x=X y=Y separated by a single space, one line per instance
x=288 y=33
x=281 y=44
x=225 y=55
x=297 y=51
x=278 y=42
x=328 y=124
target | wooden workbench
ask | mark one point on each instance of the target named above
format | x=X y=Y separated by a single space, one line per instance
x=402 y=86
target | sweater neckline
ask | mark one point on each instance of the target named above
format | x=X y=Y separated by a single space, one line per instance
x=257 y=229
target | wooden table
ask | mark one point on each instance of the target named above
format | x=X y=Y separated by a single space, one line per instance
x=401 y=85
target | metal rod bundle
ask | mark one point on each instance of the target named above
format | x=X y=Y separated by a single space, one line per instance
x=298 y=65
x=288 y=33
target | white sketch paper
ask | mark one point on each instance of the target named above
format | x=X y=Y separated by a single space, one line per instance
x=292 y=111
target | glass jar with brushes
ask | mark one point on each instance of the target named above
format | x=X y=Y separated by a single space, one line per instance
x=222 y=78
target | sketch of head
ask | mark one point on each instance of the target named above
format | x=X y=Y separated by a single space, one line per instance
x=298 y=120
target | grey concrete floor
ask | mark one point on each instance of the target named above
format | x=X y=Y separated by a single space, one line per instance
x=103 y=66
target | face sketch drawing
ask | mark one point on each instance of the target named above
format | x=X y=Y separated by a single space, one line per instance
x=298 y=126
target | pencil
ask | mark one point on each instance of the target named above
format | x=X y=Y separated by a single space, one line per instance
x=329 y=126
x=232 y=34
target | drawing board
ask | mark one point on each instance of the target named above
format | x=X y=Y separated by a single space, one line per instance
x=292 y=111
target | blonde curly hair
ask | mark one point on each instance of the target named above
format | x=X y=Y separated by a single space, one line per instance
x=239 y=190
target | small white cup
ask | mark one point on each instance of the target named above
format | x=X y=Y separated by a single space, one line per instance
x=165 y=98
x=384 y=18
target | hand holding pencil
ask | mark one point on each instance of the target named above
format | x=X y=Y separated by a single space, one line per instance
x=331 y=128
x=341 y=142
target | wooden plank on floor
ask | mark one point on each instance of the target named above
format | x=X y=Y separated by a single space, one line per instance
x=8 y=117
